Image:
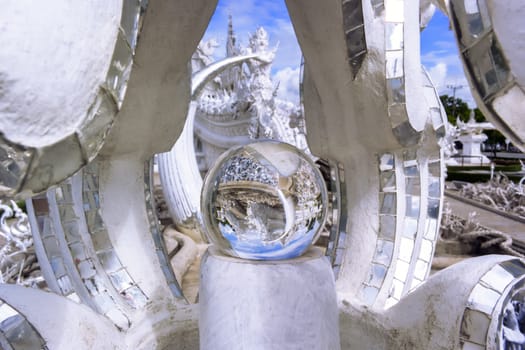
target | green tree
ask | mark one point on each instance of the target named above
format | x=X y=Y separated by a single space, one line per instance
x=456 y=109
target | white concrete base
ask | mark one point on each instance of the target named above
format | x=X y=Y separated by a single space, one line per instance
x=289 y=304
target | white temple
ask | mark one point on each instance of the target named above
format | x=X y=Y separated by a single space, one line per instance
x=91 y=91
x=240 y=104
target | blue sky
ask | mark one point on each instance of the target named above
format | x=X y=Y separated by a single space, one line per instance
x=438 y=48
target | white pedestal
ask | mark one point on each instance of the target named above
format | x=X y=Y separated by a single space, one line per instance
x=472 y=149
x=263 y=305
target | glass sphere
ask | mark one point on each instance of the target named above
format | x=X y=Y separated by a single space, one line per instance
x=264 y=201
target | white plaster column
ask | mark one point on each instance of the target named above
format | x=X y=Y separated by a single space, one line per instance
x=286 y=304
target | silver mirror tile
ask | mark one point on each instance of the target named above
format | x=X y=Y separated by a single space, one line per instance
x=434 y=187
x=490 y=70
x=388 y=203
x=515 y=267
x=420 y=270
x=67 y=213
x=119 y=70
x=413 y=186
x=129 y=21
x=354 y=34
x=412 y=170
x=86 y=269
x=388 y=181
x=51 y=246
x=57 y=264
x=474 y=327
x=406 y=248
x=431 y=229
x=378 y=6
x=396 y=90
x=101 y=241
x=97 y=123
x=65 y=285
x=134 y=295
x=94 y=221
x=497 y=278
x=434 y=169
x=413 y=204
x=397 y=289
x=109 y=260
x=384 y=252
x=386 y=162
x=426 y=250
x=433 y=208
x=391 y=301
x=352 y=14
x=377 y=275
x=483 y=299
x=394 y=36
x=92 y=286
x=64 y=194
x=401 y=271
x=410 y=227
x=395 y=64
x=71 y=231
x=387 y=226
x=394 y=10
x=77 y=251
x=121 y=280
x=415 y=283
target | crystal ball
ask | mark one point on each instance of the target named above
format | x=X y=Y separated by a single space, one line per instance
x=263 y=201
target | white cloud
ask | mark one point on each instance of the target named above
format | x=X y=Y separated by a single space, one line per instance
x=446 y=71
x=288 y=79
x=438 y=74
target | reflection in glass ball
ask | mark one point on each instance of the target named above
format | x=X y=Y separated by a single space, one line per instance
x=263 y=201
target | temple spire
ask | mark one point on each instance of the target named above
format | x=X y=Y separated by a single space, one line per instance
x=231 y=49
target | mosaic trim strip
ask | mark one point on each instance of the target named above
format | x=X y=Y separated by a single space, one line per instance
x=337 y=237
x=385 y=243
x=80 y=263
x=47 y=247
x=354 y=27
x=490 y=304
x=161 y=251
x=485 y=61
x=101 y=245
x=395 y=73
x=16 y=332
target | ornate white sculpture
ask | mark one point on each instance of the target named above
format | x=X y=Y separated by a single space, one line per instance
x=373 y=118
x=234 y=102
